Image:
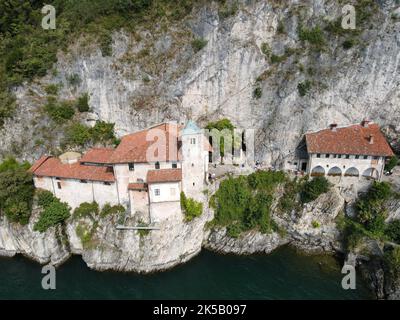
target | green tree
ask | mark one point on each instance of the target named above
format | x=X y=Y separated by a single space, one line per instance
x=312 y=189
x=16 y=190
x=56 y=213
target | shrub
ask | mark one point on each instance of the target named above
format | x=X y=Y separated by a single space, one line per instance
x=111 y=210
x=315 y=224
x=198 y=44
x=51 y=89
x=234 y=230
x=77 y=134
x=393 y=161
x=86 y=209
x=57 y=212
x=16 y=190
x=281 y=27
x=84 y=234
x=82 y=103
x=190 y=207
x=74 y=80
x=265 y=179
x=45 y=198
x=102 y=132
x=392 y=259
x=7 y=105
x=265 y=49
x=312 y=189
x=278 y=59
x=304 y=87
x=257 y=93
x=314 y=36
x=348 y=43
x=59 y=112
x=393 y=231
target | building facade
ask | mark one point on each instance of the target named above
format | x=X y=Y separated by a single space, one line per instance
x=354 y=151
x=145 y=173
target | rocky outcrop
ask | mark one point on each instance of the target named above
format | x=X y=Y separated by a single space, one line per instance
x=49 y=247
x=247 y=243
x=175 y=241
x=155 y=75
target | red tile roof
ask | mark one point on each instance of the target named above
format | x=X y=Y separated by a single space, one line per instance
x=134 y=147
x=97 y=155
x=52 y=167
x=137 y=186
x=353 y=139
x=164 y=175
x=38 y=163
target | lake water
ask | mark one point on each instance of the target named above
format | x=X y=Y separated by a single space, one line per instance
x=284 y=274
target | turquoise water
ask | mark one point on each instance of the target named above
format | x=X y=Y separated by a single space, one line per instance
x=283 y=274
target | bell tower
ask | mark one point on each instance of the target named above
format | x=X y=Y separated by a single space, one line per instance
x=194 y=161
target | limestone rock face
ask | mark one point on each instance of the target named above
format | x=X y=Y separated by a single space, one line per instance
x=155 y=75
x=48 y=247
x=314 y=229
x=247 y=243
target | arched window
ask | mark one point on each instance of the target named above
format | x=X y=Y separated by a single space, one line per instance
x=334 y=171
x=317 y=171
x=352 y=172
x=157 y=165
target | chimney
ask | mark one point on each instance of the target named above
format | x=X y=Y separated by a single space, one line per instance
x=371 y=139
x=333 y=126
x=365 y=123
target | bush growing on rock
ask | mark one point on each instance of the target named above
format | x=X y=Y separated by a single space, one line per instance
x=111 y=210
x=191 y=208
x=312 y=189
x=83 y=103
x=55 y=213
x=86 y=209
x=45 y=198
x=16 y=190
x=244 y=203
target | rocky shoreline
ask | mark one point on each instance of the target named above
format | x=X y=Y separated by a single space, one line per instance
x=178 y=241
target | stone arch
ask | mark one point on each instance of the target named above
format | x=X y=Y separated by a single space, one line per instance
x=370 y=173
x=335 y=171
x=318 y=171
x=352 y=172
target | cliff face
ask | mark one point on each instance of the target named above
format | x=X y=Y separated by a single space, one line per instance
x=107 y=248
x=155 y=75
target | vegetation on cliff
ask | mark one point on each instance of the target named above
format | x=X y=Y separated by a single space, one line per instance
x=16 y=190
x=54 y=211
x=371 y=213
x=190 y=207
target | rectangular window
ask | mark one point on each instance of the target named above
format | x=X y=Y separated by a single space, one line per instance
x=339 y=156
x=365 y=157
x=59 y=185
x=192 y=140
x=334 y=155
x=157 y=165
x=172 y=191
x=131 y=166
x=376 y=158
x=83 y=181
x=156 y=192
x=174 y=165
x=347 y=156
x=107 y=183
x=327 y=155
x=318 y=155
x=357 y=157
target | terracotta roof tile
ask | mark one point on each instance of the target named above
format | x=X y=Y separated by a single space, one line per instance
x=38 y=163
x=137 y=186
x=97 y=155
x=353 y=139
x=52 y=167
x=164 y=175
